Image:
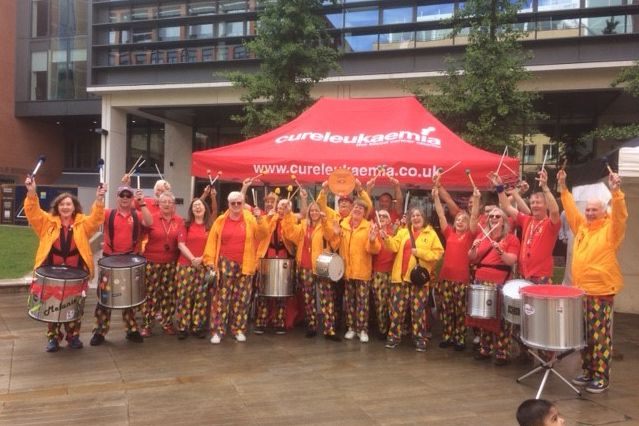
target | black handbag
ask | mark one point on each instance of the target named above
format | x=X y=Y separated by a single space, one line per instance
x=419 y=276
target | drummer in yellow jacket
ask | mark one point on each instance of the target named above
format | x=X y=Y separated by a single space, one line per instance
x=275 y=246
x=403 y=294
x=64 y=235
x=231 y=250
x=308 y=237
x=595 y=269
x=358 y=242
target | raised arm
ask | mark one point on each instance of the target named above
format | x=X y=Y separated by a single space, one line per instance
x=504 y=202
x=453 y=208
x=439 y=209
x=474 y=212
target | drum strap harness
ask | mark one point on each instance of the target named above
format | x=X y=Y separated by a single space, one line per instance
x=136 y=230
x=504 y=268
x=66 y=238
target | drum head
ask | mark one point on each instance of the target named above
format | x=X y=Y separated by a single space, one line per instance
x=62 y=273
x=551 y=291
x=122 y=261
x=513 y=288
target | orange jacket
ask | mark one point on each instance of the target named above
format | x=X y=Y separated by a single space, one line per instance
x=429 y=250
x=595 y=268
x=47 y=228
x=296 y=232
x=330 y=213
x=254 y=234
x=271 y=223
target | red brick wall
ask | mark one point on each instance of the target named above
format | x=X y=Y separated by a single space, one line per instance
x=22 y=140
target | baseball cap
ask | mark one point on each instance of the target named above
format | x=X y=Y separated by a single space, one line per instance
x=122 y=189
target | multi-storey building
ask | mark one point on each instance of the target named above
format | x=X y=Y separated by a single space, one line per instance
x=149 y=74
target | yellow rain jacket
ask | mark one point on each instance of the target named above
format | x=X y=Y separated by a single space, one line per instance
x=333 y=214
x=595 y=268
x=429 y=250
x=271 y=223
x=47 y=228
x=355 y=247
x=296 y=232
x=254 y=234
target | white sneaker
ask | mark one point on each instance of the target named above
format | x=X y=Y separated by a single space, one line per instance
x=240 y=337
x=363 y=337
x=216 y=339
x=349 y=335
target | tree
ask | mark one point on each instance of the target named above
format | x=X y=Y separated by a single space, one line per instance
x=479 y=97
x=295 y=52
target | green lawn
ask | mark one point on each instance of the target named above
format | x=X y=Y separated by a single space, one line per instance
x=17 y=250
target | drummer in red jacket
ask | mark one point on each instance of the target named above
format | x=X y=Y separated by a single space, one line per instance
x=122 y=235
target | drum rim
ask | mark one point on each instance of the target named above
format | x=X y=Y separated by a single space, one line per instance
x=85 y=274
x=115 y=256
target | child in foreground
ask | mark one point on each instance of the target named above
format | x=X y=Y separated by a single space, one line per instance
x=539 y=412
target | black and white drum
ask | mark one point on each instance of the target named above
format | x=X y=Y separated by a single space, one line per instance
x=330 y=265
x=57 y=294
x=511 y=300
x=276 y=277
x=121 y=282
x=481 y=301
x=552 y=317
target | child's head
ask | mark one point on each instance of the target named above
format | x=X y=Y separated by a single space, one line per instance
x=538 y=412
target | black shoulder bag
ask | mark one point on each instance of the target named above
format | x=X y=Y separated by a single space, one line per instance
x=419 y=276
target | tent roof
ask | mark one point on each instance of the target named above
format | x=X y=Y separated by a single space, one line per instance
x=360 y=134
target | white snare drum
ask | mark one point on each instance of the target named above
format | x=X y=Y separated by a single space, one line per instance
x=276 y=277
x=481 y=301
x=552 y=317
x=57 y=294
x=121 y=281
x=511 y=302
x=330 y=265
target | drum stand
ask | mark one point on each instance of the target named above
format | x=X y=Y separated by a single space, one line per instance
x=548 y=366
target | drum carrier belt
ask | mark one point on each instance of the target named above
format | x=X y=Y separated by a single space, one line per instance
x=65 y=248
x=136 y=230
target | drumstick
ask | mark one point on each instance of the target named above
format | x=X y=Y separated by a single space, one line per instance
x=216 y=178
x=441 y=173
x=472 y=182
x=543 y=163
x=605 y=160
x=290 y=197
x=253 y=191
x=41 y=160
x=487 y=233
x=406 y=201
x=208 y=172
x=563 y=165
x=135 y=165
x=511 y=170
x=138 y=179
x=101 y=170
x=379 y=223
x=501 y=160
x=158 y=170
x=294 y=178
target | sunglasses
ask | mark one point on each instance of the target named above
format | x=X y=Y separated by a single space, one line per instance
x=494 y=216
x=126 y=195
x=235 y=203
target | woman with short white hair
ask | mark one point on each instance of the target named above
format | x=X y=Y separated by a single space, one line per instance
x=231 y=249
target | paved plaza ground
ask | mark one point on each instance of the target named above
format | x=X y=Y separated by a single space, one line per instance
x=279 y=380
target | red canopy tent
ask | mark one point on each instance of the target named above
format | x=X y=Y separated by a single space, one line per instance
x=362 y=135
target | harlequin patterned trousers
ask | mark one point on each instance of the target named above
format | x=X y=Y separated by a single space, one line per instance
x=327 y=304
x=103 y=319
x=307 y=280
x=405 y=297
x=381 y=295
x=452 y=310
x=71 y=328
x=160 y=293
x=597 y=354
x=192 y=292
x=231 y=302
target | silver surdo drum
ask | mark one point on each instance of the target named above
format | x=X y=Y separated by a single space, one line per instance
x=552 y=317
x=121 y=281
x=481 y=301
x=511 y=300
x=330 y=265
x=276 y=277
x=57 y=294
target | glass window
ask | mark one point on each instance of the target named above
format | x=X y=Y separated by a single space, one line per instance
x=141 y=57
x=39 y=18
x=557 y=28
x=207 y=54
x=230 y=29
x=240 y=52
x=633 y=23
x=544 y=5
x=142 y=35
x=172 y=10
x=435 y=12
x=604 y=3
x=431 y=38
x=202 y=8
x=399 y=15
x=143 y=12
x=526 y=7
x=192 y=54
x=336 y=20
x=232 y=6
x=170 y=33
x=604 y=25
x=119 y=14
x=361 y=43
x=529 y=154
x=172 y=56
x=549 y=152
x=222 y=52
x=119 y=37
x=39 y=61
x=201 y=31
x=361 y=17
x=145 y=138
x=403 y=40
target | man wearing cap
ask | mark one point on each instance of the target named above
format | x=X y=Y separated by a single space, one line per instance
x=122 y=234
